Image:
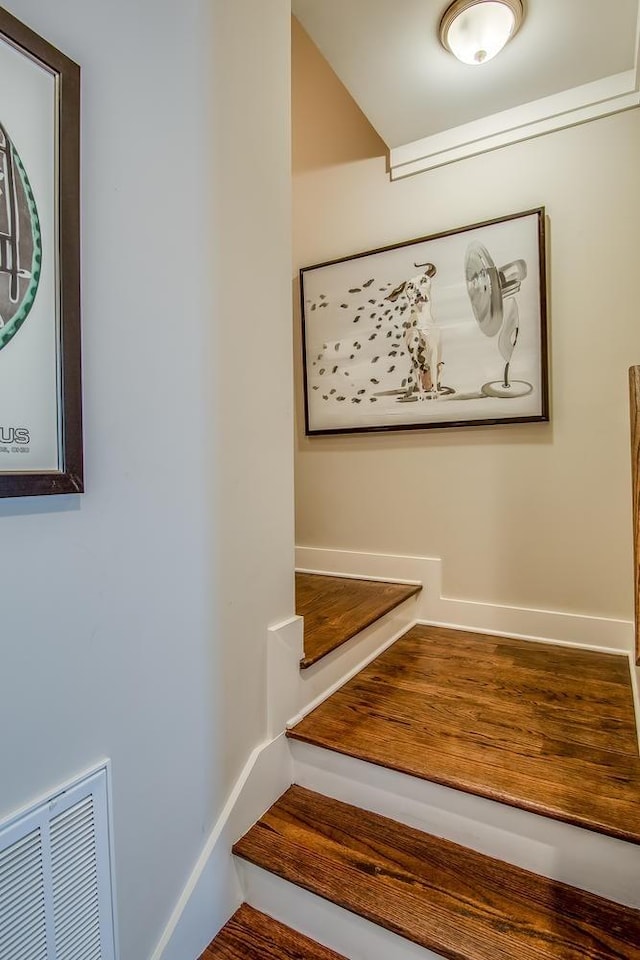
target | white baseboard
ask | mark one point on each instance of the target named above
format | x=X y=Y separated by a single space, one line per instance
x=602 y=634
x=542 y=845
x=347 y=933
x=213 y=891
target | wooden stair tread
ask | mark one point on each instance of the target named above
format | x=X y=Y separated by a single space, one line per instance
x=545 y=728
x=335 y=609
x=458 y=903
x=250 y=935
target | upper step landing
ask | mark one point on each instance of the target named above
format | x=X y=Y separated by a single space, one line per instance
x=545 y=728
x=336 y=609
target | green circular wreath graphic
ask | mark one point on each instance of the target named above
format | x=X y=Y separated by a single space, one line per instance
x=11 y=326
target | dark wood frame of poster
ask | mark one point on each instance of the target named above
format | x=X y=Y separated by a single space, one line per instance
x=69 y=477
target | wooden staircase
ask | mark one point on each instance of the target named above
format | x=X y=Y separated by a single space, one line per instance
x=439 y=895
x=464 y=796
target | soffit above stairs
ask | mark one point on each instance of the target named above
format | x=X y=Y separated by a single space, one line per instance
x=572 y=60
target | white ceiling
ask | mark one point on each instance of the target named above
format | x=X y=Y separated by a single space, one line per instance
x=388 y=55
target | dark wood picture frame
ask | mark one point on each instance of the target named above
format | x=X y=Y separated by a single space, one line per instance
x=358 y=319
x=68 y=478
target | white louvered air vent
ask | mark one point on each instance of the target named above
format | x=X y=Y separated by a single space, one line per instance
x=55 y=878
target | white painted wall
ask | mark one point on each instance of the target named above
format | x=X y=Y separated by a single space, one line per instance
x=532 y=515
x=134 y=618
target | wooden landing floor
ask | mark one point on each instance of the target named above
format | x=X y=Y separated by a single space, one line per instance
x=335 y=609
x=549 y=729
x=251 y=935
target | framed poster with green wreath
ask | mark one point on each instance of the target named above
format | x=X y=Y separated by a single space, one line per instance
x=40 y=379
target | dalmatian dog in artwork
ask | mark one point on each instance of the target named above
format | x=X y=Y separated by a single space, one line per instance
x=422 y=335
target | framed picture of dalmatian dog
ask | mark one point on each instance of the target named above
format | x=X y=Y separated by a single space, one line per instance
x=448 y=330
x=40 y=389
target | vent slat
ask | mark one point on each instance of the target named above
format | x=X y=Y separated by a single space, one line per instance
x=96 y=954
x=18 y=864
x=19 y=907
x=89 y=951
x=73 y=840
x=17 y=932
x=68 y=820
x=69 y=841
x=82 y=913
x=18 y=880
x=80 y=940
x=83 y=940
x=32 y=951
x=69 y=826
x=67 y=875
x=72 y=846
x=82 y=925
x=20 y=852
x=22 y=905
x=69 y=865
x=72 y=812
x=80 y=884
x=80 y=907
x=22 y=939
x=30 y=839
x=89 y=918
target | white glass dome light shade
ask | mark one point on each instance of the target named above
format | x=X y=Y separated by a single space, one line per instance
x=479 y=33
x=476 y=30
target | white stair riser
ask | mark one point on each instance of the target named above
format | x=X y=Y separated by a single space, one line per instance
x=294 y=692
x=331 y=672
x=560 y=851
x=328 y=924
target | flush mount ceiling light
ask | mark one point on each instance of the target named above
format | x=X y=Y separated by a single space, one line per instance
x=475 y=31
